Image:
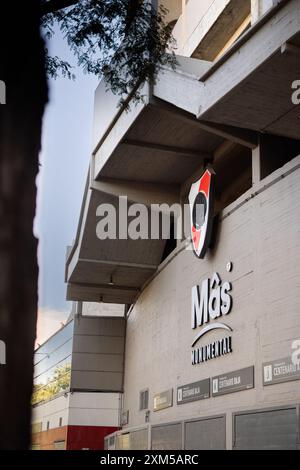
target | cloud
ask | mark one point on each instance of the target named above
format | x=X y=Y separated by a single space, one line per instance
x=49 y=321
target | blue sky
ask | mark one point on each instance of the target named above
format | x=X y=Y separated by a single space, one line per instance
x=66 y=149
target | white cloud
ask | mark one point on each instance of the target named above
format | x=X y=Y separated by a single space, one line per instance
x=49 y=321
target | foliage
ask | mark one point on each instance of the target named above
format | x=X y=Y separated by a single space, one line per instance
x=60 y=382
x=55 y=66
x=123 y=41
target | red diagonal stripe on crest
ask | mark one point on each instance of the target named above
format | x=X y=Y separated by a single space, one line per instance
x=205 y=183
x=196 y=237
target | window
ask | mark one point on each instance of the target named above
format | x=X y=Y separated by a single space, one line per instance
x=52 y=369
x=144 y=399
x=48 y=425
x=60 y=422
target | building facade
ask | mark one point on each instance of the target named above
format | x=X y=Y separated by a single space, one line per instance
x=212 y=348
x=78 y=379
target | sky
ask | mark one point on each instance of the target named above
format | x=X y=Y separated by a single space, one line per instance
x=65 y=154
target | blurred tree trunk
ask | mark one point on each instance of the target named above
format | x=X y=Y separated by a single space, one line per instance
x=22 y=69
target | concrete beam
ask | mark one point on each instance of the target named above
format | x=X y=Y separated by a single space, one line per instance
x=223 y=150
x=138 y=192
x=95 y=294
x=254 y=48
x=221 y=31
x=119 y=264
x=244 y=137
x=107 y=287
x=116 y=131
x=167 y=149
x=290 y=48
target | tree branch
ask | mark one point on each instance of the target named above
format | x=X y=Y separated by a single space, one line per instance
x=132 y=9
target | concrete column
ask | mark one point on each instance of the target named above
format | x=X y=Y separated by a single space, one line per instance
x=256 y=166
x=183 y=31
x=259 y=8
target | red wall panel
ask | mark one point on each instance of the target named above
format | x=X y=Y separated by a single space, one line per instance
x=88 y=437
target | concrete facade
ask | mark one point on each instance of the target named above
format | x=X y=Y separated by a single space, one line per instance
x=227 y=106
x=260 y=236
x=78 y=381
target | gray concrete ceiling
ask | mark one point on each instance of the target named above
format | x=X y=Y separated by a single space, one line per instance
x=262 y=102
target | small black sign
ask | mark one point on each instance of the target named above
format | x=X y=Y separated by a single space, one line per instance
x=233 y=382
x=282 y=370
x=193 y=392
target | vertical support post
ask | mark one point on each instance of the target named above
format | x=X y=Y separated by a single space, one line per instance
x=79 y=309
x=183 y=29
x=259 y=8
x=256 y=165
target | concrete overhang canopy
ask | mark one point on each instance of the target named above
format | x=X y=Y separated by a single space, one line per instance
x=149 y=143
x=113 y=270
x=146 y=154
x=143 y=154
x=159 y=148
x=251 y=85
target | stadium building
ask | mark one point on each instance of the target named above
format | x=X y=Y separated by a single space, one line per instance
x=212 y=323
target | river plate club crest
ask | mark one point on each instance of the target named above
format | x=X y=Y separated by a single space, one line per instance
x=201 y=200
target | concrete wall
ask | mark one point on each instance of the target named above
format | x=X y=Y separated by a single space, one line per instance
x=196 y=19
x=205 y=27
x=102 y=310
x=260 y=234
x=54 y=439
x=51 y=411
x=78 y=409
x=75 y=421
x=94 y=409
x=98 y=354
